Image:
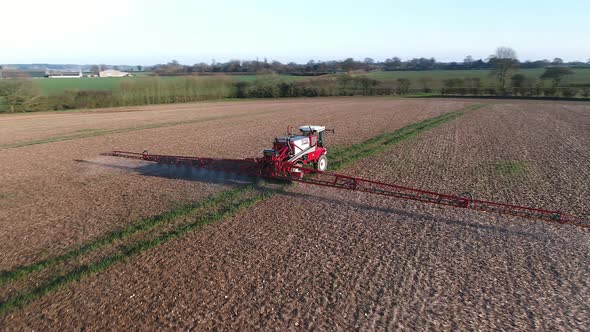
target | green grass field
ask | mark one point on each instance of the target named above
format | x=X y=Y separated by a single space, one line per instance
x=49 y=86
x=53 y=86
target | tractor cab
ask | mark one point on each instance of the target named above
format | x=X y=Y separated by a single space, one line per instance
x=316 y=133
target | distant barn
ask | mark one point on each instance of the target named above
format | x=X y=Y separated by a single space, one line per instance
x=64 y=74
x=113 y=73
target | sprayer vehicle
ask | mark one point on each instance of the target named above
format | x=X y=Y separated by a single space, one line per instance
x=303 y=158
x=303 y=149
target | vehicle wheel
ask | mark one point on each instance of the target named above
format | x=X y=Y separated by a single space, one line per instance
x=465 y=198
x=322 y=164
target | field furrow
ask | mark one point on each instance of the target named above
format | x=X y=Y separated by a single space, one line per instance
x=63 y=194
x=321 y=258
x=150 y=232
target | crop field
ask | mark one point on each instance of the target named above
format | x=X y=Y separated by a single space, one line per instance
x=54 y=86
x=93 y=242
x=50 y=86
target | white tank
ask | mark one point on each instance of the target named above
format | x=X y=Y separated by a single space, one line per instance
x=315 y=129
x=299 y=143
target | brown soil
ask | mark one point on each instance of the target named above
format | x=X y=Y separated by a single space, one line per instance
x=319 y=258
x=60 y=195
x=535 y=154
x=30 y=126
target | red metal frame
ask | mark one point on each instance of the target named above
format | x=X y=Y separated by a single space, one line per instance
x=276 y=168
x=242 y=166
x=358 y=184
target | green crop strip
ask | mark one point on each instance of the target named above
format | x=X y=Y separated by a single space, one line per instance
x=344 y=156
x=222 y=211
x=142 y=225
x=221 y=205
x=512 y=169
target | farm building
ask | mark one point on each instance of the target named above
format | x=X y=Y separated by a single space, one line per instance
x=113 y=73
x=64 y=74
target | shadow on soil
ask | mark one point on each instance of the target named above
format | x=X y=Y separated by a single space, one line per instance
x=177 y=172
x=418 y=216
x=541 y=98
x=206 y=176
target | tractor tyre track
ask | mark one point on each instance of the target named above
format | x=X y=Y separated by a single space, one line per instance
x=310 y=258
x=16 y=297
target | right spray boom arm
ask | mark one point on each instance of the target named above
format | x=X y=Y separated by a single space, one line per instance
x=464 y=200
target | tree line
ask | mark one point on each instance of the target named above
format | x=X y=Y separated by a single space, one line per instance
x=315 y=68
x=21 y=95
x=24 y=96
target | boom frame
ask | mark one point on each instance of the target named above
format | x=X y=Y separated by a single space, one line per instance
x=261 y=167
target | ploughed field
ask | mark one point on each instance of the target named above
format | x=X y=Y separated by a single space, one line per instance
x=95 y=242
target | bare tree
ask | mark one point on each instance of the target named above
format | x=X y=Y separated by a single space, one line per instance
x=557 y=61
x=504 y=52
x=468 y=61
x=348 y=65
x=504 y=62
x=368 y=64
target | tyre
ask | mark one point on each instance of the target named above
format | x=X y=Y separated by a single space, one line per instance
x=322 y=164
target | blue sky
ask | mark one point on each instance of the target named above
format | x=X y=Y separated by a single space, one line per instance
x=149 y=31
